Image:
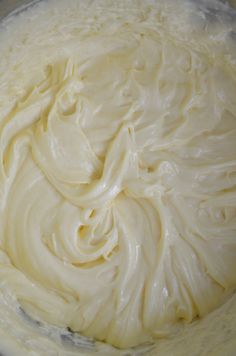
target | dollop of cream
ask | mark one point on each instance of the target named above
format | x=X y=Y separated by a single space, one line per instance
x=117 y=170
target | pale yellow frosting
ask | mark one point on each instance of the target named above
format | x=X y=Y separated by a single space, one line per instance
x=117 y=168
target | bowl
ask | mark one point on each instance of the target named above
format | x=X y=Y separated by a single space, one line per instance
x=214 y=335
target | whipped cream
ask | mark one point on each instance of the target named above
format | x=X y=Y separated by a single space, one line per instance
x=117 y=167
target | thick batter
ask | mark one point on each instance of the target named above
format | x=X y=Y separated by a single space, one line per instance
x=117 y=167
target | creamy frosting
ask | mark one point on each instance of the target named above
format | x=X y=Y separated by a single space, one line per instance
x=118 y=169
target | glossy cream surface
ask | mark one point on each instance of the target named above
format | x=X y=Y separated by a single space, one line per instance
x=117 y=167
